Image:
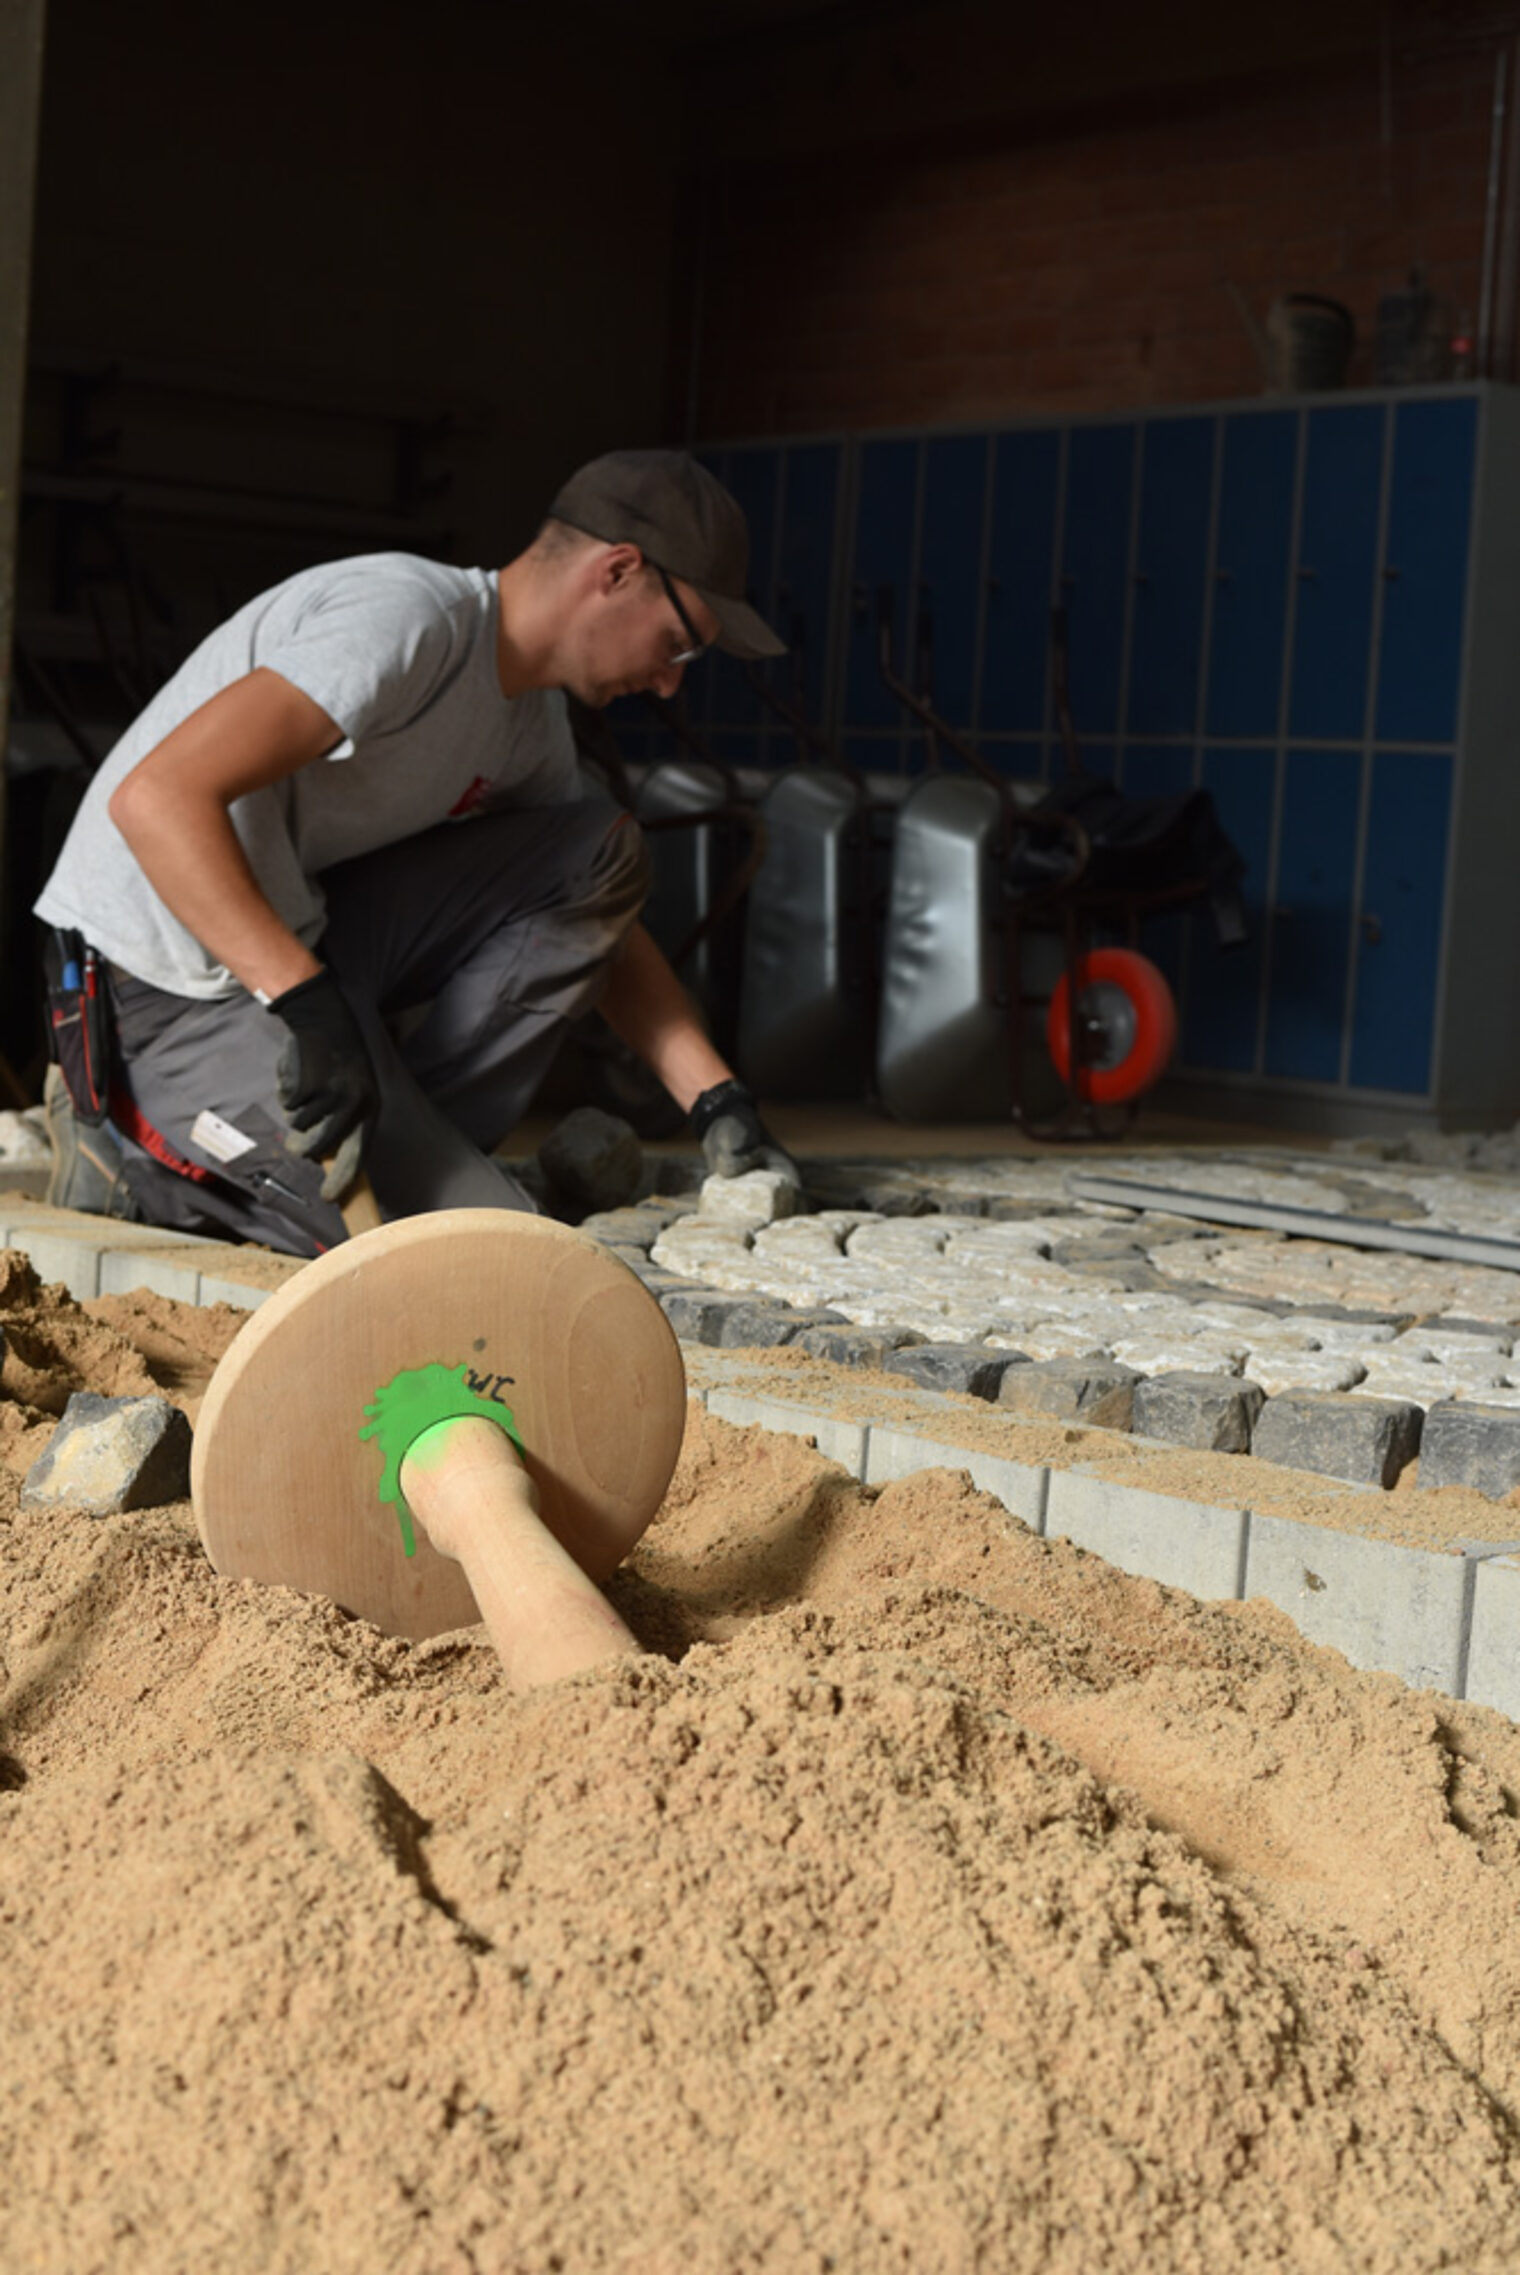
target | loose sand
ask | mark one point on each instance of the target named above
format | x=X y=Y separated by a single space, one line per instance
x=931 y=1898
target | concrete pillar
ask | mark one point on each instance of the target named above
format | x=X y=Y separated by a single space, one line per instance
x=20 y=97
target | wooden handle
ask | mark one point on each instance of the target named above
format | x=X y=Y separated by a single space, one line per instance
x=466 y=1486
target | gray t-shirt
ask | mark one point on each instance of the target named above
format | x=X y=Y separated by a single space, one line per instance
x=401 y=653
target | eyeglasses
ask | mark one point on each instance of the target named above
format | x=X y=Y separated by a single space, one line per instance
x=697 y=646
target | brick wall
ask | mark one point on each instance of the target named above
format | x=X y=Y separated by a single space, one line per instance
x=1084 y=264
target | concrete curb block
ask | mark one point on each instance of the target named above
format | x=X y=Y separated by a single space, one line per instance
x=1183 y=1544
x=844 y=1442
x=1493 y=1656
x=893 y=1454
x=1404 y=1611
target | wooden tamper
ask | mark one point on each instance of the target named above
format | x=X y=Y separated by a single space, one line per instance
x=498 y=1378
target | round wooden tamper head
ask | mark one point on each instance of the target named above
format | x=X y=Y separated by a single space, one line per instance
x=545 y=1324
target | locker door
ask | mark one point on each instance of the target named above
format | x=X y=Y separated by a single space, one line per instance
x=1223 y=1012
x=1171 y=556
x=1311 y=914
x=1095 y=568
x=950 y=566
x=1251 y=573
x=804 y=592
x=1399 y=921
x=881 y=560
x=1425 y=570
x=720 y=693
x=1161 y=770
x=1334 y=572
x=1016 y=645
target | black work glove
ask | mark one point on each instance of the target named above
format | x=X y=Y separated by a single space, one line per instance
x=734 y=1139
x=325 y=1079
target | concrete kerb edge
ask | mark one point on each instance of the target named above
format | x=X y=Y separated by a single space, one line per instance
x=1462 y=1605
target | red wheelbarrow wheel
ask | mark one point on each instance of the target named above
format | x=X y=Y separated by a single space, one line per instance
x=1126 y=1026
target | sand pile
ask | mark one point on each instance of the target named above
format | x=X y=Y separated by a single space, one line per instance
x=932 y=1898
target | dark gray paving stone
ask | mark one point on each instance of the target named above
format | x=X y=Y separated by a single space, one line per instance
x=594 y=1159
x=1213 y=1413
x=110 y=1454
x=968 y=1367
x=1097 y=1391
x=1365 y=1441
x=1103 y=1248
x=1471 y=1445
x=856 y=1346
x=765 y=1324
x=1397 y=1320
x=1502 y=1330
x=697 y=1314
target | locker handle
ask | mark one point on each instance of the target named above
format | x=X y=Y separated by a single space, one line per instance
x=1372 y=930
x=1308 y=575
x=1224 y=576
x=1390 y=572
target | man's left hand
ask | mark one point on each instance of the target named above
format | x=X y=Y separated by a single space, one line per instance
x=734 y=1139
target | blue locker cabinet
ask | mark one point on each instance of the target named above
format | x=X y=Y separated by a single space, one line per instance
x=1310 y=606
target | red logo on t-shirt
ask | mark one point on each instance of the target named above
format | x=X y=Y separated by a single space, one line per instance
x=472 y=799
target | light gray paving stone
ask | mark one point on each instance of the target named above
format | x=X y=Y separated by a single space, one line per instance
x=1404 y=1611
x=838 y=1440
x=1157 y=1536
x=1020 y=1486
x=756 y=1197
x=1210 y=1413
x=1365 y=1441
x=1493 y=1658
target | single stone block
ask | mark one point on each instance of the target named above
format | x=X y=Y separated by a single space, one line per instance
x=625 y=1228
x=594 y=1159
x=968 y=1367
x=1366 y=1441
x=1214 y=1413
x=768 y=1324
x=1098 y=1391
x=697 y=1314
x=855 y=1346
x=1474 y=1445
x=109 y=1454
x=758 y=1197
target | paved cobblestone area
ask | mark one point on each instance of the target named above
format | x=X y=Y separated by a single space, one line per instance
x=998 y=1254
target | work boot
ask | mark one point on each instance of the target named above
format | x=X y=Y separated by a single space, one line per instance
x=87 y=1170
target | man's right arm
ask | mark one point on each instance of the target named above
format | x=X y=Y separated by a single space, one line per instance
x=172 y=809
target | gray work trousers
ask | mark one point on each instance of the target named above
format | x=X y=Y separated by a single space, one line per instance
x=463 y=952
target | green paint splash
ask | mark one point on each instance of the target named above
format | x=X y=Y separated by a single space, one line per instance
x=413 y=1401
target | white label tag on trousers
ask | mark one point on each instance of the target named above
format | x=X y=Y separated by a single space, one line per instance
x=219 y=1138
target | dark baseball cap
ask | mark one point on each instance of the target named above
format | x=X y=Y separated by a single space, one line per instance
x=683 y=520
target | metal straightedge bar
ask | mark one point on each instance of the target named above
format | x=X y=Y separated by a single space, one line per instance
x=1306 y=1224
